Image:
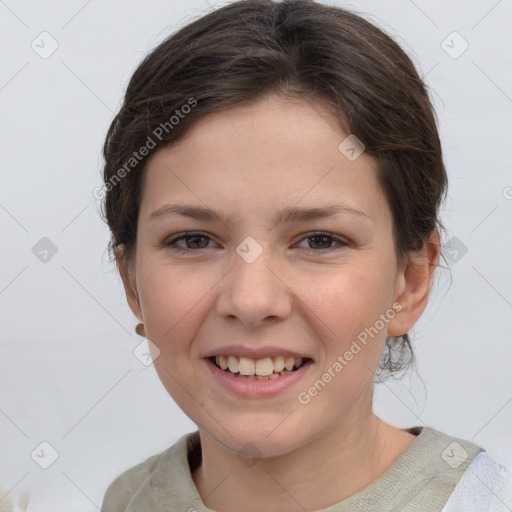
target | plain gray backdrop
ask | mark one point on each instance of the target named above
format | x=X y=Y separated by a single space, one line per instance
x=68 y=374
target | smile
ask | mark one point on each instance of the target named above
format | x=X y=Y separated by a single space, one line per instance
x=257 y=378
x=260 y=369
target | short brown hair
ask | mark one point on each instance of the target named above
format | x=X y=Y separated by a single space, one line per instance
x=295 y=48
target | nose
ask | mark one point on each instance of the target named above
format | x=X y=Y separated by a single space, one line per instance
x=255 y=292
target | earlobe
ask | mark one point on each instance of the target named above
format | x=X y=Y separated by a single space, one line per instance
x=129 y=284
x=413 y=286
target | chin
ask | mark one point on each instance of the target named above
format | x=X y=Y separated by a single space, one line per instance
x=257 y=439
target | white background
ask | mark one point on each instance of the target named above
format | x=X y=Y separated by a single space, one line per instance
x=67 y=372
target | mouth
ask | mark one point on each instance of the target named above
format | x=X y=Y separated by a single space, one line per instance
x=268 y=368
x=258 y=379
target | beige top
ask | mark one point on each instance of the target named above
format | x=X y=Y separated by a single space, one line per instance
x=421 y=479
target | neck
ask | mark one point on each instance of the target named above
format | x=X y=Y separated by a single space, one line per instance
x=319 y=474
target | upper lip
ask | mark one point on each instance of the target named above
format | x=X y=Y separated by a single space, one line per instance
x=253 y=353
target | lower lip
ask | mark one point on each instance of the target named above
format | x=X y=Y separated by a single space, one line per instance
x=257 y=388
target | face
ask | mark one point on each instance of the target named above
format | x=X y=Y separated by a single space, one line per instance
x=243 y=285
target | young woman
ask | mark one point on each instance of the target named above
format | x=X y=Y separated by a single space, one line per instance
x=273 y=183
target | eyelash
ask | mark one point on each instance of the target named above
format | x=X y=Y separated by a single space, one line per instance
x=341 y=243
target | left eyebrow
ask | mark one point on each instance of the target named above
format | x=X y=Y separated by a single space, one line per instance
x=287 y=215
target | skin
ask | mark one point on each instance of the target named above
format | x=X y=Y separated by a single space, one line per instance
x=300 y=293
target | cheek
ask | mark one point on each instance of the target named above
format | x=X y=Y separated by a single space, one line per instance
x=174 y=304
x=352 y=308
x=351 y=298
x=173 y=301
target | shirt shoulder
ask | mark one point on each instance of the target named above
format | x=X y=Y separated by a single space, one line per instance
x=121 y=491
x=486 y=485
x=421 y=479
x=142 y=487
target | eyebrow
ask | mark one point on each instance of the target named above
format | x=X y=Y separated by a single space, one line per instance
x=287 y=215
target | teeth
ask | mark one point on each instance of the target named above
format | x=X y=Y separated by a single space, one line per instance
x=262 y=369
x=233 y=364
x=279 y=364
x=289 y=362
x=222 y=362
x=246 y=367
x=264 y=366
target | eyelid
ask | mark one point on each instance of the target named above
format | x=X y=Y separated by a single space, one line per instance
x=339 y=240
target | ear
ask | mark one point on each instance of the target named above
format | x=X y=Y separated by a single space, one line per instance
x=130 y=287
x=412 y=286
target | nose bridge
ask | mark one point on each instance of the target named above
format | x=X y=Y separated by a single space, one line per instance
x=252 y=266
x=254 y=291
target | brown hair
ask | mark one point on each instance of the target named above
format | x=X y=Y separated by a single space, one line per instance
x=295 y=48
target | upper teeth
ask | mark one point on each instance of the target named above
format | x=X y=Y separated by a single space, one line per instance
x=263 y=367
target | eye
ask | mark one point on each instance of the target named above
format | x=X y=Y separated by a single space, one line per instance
x=324 y=239
x=191 y=239
x=194 y=242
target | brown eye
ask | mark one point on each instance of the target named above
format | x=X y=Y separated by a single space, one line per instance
x=322 y=242
x=193 y=241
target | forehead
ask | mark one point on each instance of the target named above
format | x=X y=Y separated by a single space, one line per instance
x=258 y=156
